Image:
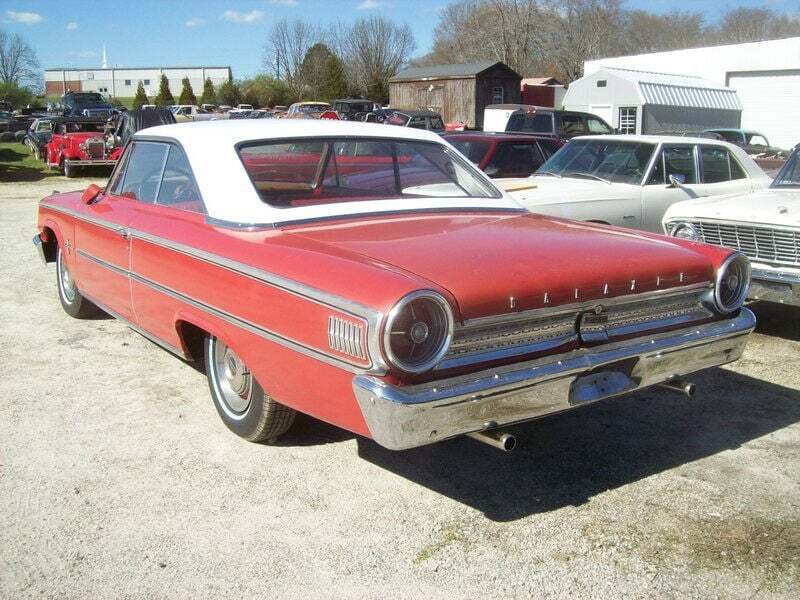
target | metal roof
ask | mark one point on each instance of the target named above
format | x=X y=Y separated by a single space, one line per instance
x=670 y=89
x=445 y=71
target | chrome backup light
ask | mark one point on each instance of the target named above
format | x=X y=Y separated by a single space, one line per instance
x=732 y=283
x=685 y=231
x=418 y=331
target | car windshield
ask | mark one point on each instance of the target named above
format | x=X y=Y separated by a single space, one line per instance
x=472 y=149
x=607 y=160
x=789 y=175
x=352 y=107
x=307 y=172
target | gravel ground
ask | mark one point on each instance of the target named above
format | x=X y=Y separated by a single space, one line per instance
x=117 y=479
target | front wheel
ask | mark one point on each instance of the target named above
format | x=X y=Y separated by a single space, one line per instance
x=74 y=303
x=69 y=170
x=240 y=401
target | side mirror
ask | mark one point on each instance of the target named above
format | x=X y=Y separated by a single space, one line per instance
x=677 y=180
x=91 y=193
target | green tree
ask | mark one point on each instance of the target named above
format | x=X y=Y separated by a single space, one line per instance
x=209 y=96
x=312 y=70
x=334 y=80
x=229 y=94
x=187 y=93
x=140 y=98
x=164 y=97
x=16 y=94
x=266 y=91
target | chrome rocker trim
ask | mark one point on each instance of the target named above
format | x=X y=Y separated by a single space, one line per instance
x=91 y=163
x=775 y=286
x=401 y=417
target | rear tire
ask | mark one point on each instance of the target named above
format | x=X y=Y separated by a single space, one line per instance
x=73 y=302
x=241 y=402
x=69 y=170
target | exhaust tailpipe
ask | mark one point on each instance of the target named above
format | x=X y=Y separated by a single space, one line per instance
x=679 y=385
x=498 y=439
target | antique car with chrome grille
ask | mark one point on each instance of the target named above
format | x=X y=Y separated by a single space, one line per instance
x=372 y=277
x=764 y=226
x=79 y=142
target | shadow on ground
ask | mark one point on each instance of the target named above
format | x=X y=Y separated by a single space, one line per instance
x=568 y=458
x=779 y=320
x=20 y=166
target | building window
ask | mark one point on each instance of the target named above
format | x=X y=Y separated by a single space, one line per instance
x=127 y=82
x=102 y=90
x=147 y=82
x=89 y=75
x=627 y=119
x=602 y=83
x=498 y=95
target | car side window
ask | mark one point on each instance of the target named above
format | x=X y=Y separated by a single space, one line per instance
x=178 y=188
x=714 y=161
x=143 y=171
x=514 y=160
x=679 y=162
x=548 y=148
x=115 y=181
x=417 y=123
x=737 y=171
x=572 y=125
x=595 y=125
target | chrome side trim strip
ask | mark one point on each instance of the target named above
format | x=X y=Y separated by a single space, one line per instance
x=230 y=318
x=776 y=276
x=373 y=317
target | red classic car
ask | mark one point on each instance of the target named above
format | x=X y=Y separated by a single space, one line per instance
x=373 y=278
x=505 y=154
x=80 y=142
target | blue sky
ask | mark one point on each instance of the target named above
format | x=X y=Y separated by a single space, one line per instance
x=219 y=32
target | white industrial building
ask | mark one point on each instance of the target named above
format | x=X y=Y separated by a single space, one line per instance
x=643 y=102
x=765 y=75
x=122 y=82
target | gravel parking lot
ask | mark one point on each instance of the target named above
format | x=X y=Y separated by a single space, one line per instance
x=117 y=479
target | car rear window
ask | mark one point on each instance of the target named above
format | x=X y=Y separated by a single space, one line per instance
x=532 y=122
x=473 y=150
x=307 y=172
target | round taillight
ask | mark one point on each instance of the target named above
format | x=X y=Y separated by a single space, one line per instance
x=732 y=283
x=418 y=331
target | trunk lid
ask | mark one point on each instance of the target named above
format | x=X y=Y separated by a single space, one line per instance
x=486 y=259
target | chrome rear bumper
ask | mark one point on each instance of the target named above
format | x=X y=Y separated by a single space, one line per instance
x=91 y=163
x=37 y=241
x=402 y=417
x=775 y=286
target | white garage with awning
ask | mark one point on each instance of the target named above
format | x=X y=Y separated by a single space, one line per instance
x=766 y=76
x=644 y=102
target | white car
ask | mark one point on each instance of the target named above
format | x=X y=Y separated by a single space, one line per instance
x=631 y=180
x=765 y=226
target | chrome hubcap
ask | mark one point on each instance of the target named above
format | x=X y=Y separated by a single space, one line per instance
x=67 y=283
x=234 y=381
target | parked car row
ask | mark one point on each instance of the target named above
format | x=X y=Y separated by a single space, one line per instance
x=375 y=278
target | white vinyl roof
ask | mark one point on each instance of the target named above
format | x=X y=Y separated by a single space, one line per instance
x=229 y=194
x=667 y=89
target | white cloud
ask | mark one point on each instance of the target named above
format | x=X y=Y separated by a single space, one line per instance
x=368 y=5
x=238 y=17
x=72 y=25
x=29 y=18
x=284 y=2
x=195 y=22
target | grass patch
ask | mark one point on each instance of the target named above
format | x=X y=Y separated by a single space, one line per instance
x=765 y=548
x=18 y=164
